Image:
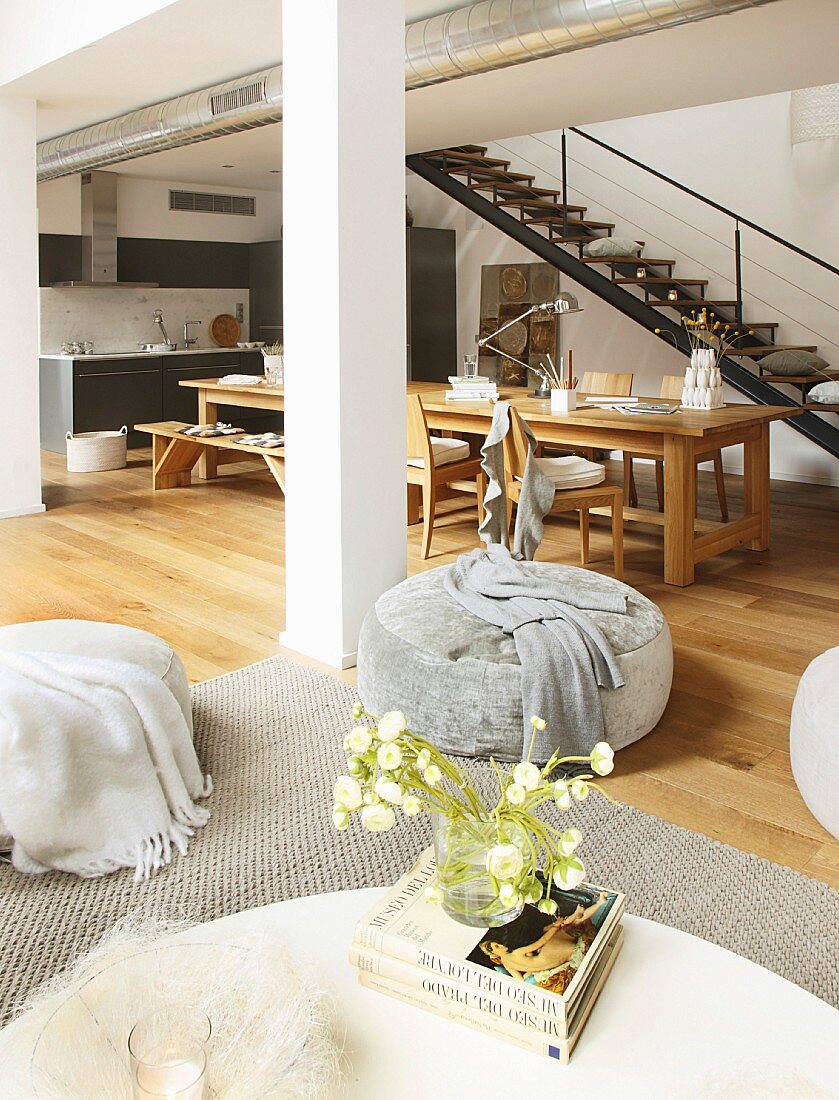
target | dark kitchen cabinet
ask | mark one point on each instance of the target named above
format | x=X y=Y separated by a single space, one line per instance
x=101 y=394
x=266 y=291
x=432 y=304
x=113 y=392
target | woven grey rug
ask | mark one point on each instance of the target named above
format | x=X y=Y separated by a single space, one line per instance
x=270 y=736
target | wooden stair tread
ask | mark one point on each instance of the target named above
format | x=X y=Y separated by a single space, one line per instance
x=769 y=348
x=473 y=153
x=539 y=204
x=657 y=279
x=638 y=261
x=800 y=379
x=819 y=406
x=546 y=219
x=757 y=324
x=691 y=302
x=494 y=176
x=525 y=190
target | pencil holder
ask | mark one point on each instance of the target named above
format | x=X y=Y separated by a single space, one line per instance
x=563 y=401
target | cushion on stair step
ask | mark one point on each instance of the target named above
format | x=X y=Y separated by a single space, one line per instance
x=825 y=393
x=612 y=246
x=793 y=362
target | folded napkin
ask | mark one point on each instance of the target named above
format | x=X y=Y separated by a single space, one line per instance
x=241 y=380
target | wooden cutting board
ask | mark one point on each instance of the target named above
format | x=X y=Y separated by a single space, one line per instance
x=225 y=330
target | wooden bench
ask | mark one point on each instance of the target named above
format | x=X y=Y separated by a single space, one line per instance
x=174 y=454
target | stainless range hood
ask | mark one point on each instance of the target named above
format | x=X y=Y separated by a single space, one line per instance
x=99 y=234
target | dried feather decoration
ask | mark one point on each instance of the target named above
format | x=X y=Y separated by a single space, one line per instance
x=274 y=1027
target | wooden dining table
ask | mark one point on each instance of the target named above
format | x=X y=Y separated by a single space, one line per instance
x=676 y=438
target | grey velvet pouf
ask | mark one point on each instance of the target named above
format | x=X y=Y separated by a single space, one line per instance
x=458 y=678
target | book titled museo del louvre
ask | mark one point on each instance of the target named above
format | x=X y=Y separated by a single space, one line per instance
x=535 y=964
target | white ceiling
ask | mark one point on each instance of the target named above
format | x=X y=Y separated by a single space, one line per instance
x=193 y=43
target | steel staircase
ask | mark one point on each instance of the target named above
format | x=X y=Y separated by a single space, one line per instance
x=543 y=221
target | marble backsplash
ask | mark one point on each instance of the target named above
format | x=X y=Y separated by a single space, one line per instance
x=118 y=319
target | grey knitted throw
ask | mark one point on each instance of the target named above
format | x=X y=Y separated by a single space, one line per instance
x=564 y=655
x=536 y=497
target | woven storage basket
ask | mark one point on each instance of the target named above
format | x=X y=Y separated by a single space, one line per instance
x=90 y=451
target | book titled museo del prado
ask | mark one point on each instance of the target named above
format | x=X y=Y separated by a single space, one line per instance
x=408 y=940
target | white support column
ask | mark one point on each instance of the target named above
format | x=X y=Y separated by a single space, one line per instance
x=20 y=459
x=344 y=316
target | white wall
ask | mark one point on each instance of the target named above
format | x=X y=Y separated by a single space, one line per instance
x=143 y=211
x=20 y=470
x=740 y=155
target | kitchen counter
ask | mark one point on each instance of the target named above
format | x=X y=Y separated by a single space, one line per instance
x=141 y=354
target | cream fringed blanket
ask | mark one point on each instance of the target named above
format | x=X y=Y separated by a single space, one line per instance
x=97 y=766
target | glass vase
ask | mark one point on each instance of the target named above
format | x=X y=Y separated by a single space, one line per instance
x=460 y=849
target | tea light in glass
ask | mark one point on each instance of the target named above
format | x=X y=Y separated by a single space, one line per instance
x=672 y=295
x=169 y=1053
x=640 y=273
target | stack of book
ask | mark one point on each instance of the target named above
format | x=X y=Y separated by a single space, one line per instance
x=532 y=982
x=476 y=388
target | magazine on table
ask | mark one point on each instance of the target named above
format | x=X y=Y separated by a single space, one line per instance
x=537 y=961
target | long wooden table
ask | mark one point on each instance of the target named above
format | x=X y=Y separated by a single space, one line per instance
x=676 y=439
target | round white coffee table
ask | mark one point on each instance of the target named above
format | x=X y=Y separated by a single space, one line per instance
x=678 y=1019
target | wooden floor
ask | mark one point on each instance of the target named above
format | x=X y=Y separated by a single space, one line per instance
x=203 y=568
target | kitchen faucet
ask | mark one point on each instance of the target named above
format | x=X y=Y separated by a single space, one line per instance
x=190 y=340
x=158 y=320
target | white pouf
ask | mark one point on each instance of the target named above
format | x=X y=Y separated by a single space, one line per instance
x=90 y=639
x=814 y=739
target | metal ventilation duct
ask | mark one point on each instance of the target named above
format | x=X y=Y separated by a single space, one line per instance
x=491 y=34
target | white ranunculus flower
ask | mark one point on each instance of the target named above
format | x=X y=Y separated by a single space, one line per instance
x=504 y=861
x=433 y=775
x=347 y=791
x=357 y=711
x=433 y=893
x=527 y=775
x=570 y=874
x=538 y=723
x=423 y=759
x=516 y=794
x=547 y=905
x=360 y=739
x=356 y=767
x=389 y=756
x=579 y=789
x=378 y=817
x=389 y=790
x=391 y=725
x=411 y=805
x=570 y=841
x=508 y=895
x=562 y=795
x=340 y=817
x=602 y=758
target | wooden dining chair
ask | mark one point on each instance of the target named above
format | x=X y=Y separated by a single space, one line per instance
x=671 y=389
x=615 y=385
x=437 y=469
x=604 y=495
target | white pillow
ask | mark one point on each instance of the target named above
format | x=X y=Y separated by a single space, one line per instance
x=826 y=392
x=612 y=246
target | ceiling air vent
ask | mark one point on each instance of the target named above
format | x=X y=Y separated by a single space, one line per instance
x=234 y=99
x=203 y=202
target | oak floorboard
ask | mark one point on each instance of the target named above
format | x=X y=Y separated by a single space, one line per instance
x=203 y=567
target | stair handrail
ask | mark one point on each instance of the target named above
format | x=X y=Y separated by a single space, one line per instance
x=703 y=198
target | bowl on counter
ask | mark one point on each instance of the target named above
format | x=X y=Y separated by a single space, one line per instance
x=250 y=345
